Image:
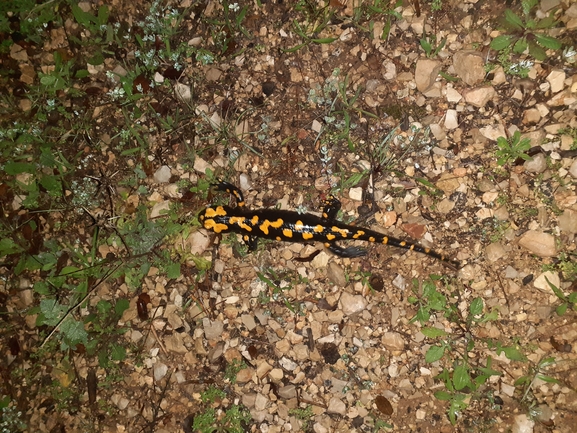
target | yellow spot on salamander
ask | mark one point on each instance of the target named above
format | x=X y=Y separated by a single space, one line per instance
x=287 y=233
x=215 y=211
x=330 y=237
x=307 y=236
x=343 y=232
x=372 y=239
x=254 y=220
x=209 y=224
x=358 y=234
x=276 y=224
x=319 y=228
x=299 y=226
x=402 y=243
x=327 y=245
x=266 y=224
x=241 y=222
x=278 y=238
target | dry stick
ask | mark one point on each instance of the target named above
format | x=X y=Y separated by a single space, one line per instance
x=78 y=304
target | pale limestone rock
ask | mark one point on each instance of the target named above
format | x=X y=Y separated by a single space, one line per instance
x=426 y=72
x=479 y=96
x=451 y=119
x=352 y=304
x=556 y=79
x=469 y=66
x=539 y=243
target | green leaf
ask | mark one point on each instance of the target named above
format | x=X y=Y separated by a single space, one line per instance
x=434 y=354
x=117 y=353
x=41 y=288
x=51 y=311
x=561 y=309
x=433 y=332
x=513 y=354
x=547 y=379
x=121 y=306
x=8 y=246
x=74 y=332
x=501 y=42
x=324 y=40
x=461 y=377
x=536 y=51
x=47 y=80
x=520 y=46
x=442 y=395
x=513 y=19
x=14 y=168
x=548 y=41
x=173 y=270
x=476 y=307
x=52 y=185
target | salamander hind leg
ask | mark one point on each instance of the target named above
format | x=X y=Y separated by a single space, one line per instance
x=331 y=208
x=231 y=189
x=337 y=250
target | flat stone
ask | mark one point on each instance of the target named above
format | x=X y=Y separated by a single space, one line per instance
x=336 y=406
x=523 y=424
x=248 y=321
x=159 y=209
x=287 y=392
x=531 y=116
x=573 y=169
x=452 y=95
x=556 y=79
x=541 y=281
x=336 y=274
x=492 y=132
x=159 y=370
x=183 y=92
x=451 y=119
x=539 y=243
x=495 y=251
x=469 y=66
x=352 y=304
x=568 y=221
x=260 y=402
x=212 y=330
x=426 y=72
x=244 y=375
x=537 y=164
x=479 y=96
x=393 y=341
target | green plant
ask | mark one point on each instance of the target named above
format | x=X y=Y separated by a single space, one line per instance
x=429 y=44
x=536 y=372
x=303 y=414
x=566 y=301
x=316 y=19
x=513 y=148
x=232 y=370
x=10 y=417
x=233 y=420
x=525 y=32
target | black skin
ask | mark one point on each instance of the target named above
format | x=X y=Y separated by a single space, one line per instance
x=291 y=226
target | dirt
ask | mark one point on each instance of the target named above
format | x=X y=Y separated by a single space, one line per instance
x=289 y=126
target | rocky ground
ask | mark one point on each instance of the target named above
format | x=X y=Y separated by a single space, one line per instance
x=121 y=314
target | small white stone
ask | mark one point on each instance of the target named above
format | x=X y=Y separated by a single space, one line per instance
x=162 y=175
x=183 y=92
x=556 y=80
x=356 y=194
x=451 y=119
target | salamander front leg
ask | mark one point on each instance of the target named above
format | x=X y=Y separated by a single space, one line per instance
x=231 y=189
x=251 y=242
x=345 y=252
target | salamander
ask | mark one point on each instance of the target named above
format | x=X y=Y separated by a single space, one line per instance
x=291 y=226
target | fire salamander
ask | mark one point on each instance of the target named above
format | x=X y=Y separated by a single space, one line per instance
x=290 y=226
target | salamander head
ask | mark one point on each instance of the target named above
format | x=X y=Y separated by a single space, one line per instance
x=212 y=219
